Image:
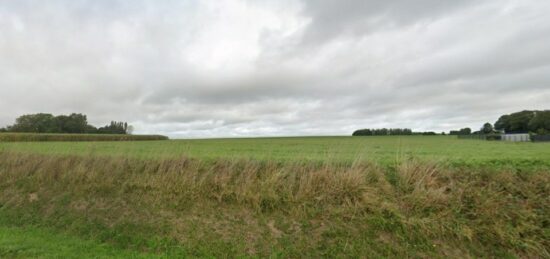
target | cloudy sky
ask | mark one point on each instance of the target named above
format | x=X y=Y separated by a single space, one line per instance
x=221 y=68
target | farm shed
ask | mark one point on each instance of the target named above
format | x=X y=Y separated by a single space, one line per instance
x=516 y=137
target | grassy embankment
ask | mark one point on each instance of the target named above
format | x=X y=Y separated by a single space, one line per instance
x=293 y=206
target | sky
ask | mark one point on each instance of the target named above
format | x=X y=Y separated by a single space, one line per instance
x=244 y=68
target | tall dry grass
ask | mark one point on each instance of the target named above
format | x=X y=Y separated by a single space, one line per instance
x=304 y=209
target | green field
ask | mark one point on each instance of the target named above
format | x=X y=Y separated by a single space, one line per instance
x=385 y=150
x=307 y=197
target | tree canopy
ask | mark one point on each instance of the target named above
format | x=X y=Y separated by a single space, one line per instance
x=74 y=123
x=524 y=122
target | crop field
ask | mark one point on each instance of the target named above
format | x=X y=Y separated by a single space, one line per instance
x=383 y=150
x=413 y=196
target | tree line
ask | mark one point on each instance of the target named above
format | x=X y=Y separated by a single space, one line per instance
x=74 y=123
x=389 y=132
x=537 y=122
x=534 y=122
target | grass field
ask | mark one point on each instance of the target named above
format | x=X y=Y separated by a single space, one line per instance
x=384 y=150
x=418 y=196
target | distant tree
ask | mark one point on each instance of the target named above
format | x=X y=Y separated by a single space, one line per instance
x=38 y=123
x=503 y=123
x=362 y=132
x=114 y=128
x=74 y=123
x=465 y=131
x=91 y=129
x=429 y=133
x=540 y=123
x=3 y=130
x=487 y=128
x=516 y=122
x=382 y=132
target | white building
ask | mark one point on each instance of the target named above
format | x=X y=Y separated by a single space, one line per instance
x=516 y=137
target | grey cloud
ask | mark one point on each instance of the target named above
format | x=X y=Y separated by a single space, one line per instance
x=331 y=19
x=255 y=68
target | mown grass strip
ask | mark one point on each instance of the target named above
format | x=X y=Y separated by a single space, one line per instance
x=30 y=242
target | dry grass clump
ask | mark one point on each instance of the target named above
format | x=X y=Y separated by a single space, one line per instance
x=245 y=207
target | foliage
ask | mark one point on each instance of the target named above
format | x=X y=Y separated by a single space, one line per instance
x=74 y=124
x=230 y=208
x=114 y=128
x=382 y=132
x=464 y=131
x=516 y=122
x=39 y=123
x=487 y=128
x=540 y=123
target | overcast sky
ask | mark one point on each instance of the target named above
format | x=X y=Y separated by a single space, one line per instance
x=222 y=68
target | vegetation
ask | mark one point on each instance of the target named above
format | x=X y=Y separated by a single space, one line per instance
x=30 y=242
x=74 y=124
x=487 y=129
x=33 y=137
x=391 y=132
x=464 y=131
x=524 y=122
x=382 y=132
x=235 y=208
x=340 y=150
x=400 y=196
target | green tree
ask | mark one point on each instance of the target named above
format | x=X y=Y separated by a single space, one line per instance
x=487 y=128
x=540 y=123
x=74 y=123
x=465 y=131
x=516 y=122
x=114 y=128
x=38 y=123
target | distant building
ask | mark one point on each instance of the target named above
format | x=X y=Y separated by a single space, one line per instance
x=516 y=137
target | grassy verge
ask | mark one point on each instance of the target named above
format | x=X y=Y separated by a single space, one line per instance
x=18 y=242
x=221 y=208
x=37 y=137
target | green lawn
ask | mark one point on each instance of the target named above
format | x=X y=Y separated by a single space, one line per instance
x=16 y=242
x=384 y=150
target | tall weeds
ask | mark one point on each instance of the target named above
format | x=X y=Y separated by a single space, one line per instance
x=304 y=209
